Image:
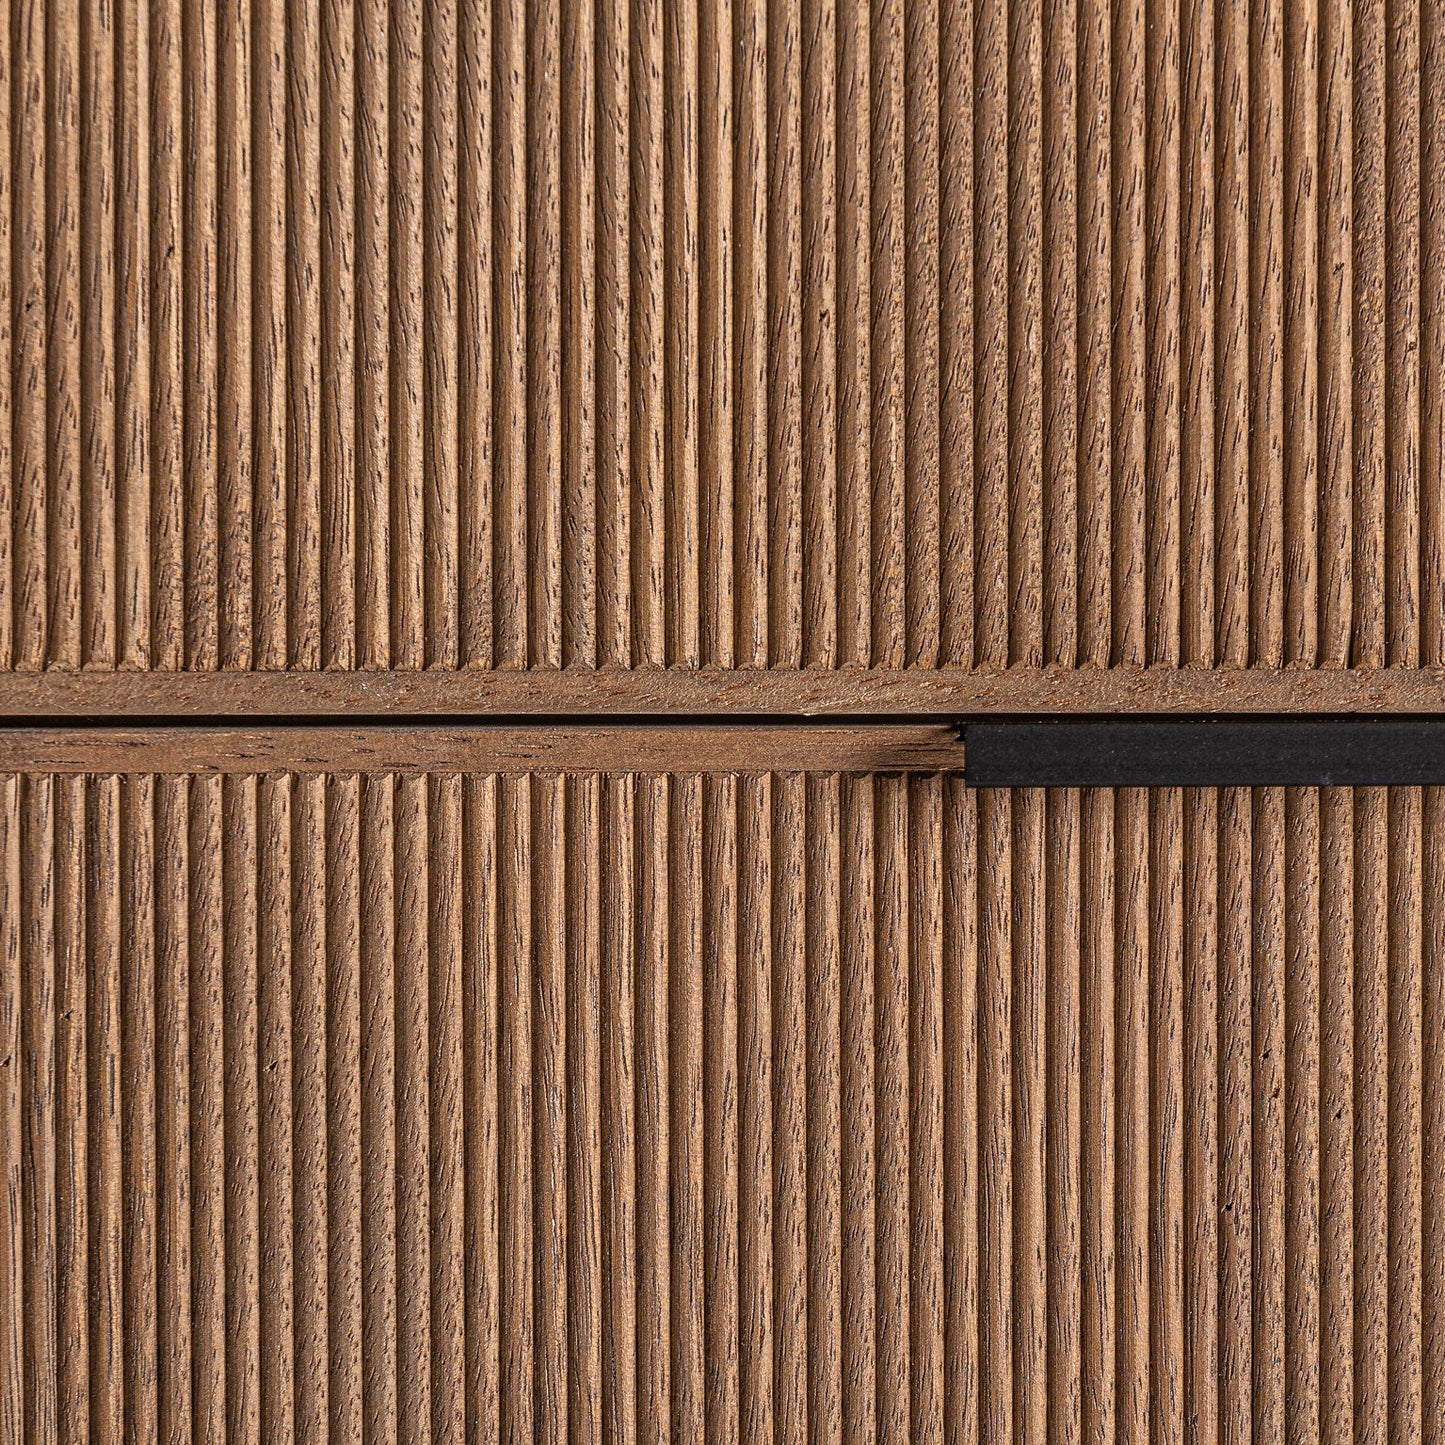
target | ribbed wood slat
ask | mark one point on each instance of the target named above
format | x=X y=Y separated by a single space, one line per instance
x=887 y=335
x=717 y=1105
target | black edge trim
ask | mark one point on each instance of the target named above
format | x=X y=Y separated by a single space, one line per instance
x=1282 y=752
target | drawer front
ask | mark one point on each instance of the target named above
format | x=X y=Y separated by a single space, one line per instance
x=725 y=1102
x=498 y=342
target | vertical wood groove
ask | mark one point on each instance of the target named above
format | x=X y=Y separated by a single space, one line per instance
x=873 y=1106
x=911 y=334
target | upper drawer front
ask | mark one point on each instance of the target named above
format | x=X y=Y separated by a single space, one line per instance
x=904 y=335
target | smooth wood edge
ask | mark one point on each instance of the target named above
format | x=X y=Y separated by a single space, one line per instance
x=938 y=692
x=482 y=749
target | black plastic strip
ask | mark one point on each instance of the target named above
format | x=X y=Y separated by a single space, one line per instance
x=1287 y=752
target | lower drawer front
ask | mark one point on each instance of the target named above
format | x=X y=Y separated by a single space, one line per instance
x=731 y=1105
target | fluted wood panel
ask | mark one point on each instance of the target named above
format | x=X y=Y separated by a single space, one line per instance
x=820 y=333
x=729 y=1106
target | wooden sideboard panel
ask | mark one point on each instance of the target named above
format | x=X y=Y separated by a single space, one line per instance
x=731 y=1105
x=900 y=336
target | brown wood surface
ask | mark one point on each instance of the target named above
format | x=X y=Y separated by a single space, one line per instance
x=682 y=747
x=549 y=696
x=739 y=1105
x=896 y=337
x=734 y=1078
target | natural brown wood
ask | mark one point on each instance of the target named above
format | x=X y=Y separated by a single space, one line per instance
x=565 y=695
x=713 y=748
x=887 y=336
x=480 y=1088
x=455 y=981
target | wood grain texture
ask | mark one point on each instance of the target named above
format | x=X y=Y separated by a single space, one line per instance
x=236 y=698
x=454 y=983
x=208 y=751
x=871 y=338
x=669 y=1103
